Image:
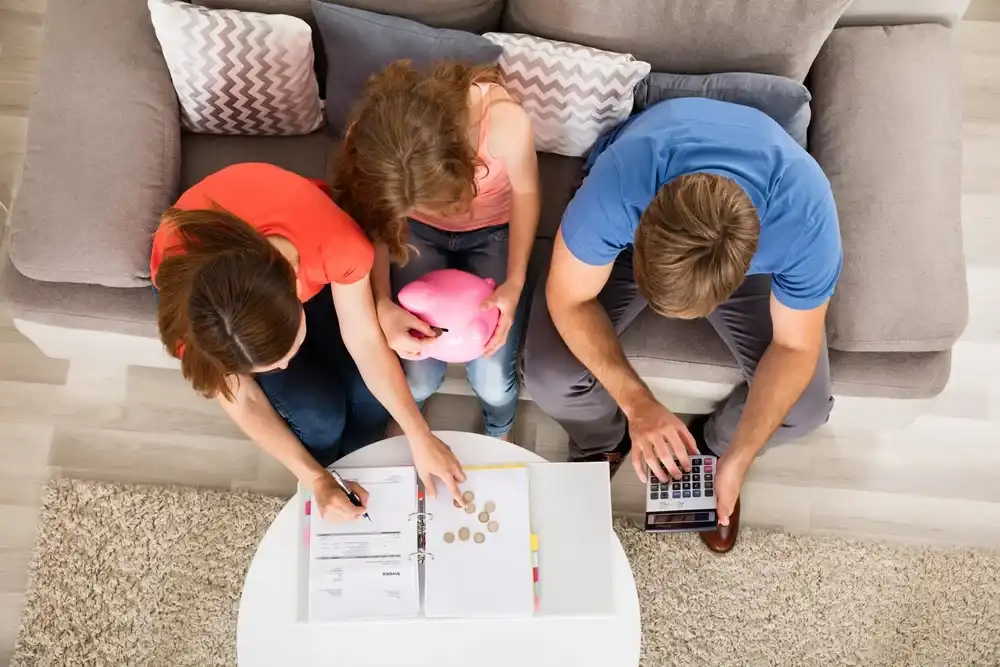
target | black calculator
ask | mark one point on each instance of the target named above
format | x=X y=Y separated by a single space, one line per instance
x=687 y=504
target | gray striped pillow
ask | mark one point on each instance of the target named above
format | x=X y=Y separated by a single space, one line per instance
x=239 y=72
x=571 y=93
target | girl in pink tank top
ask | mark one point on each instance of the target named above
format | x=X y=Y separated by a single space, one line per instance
x=439 y=168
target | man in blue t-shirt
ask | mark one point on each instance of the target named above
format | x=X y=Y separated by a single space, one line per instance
x=695 y=208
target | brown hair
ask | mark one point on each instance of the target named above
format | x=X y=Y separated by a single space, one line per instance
x=694 y=244
x=409 y=147
x=227 y=301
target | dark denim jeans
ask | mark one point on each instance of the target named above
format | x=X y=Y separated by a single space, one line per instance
x=321 y=394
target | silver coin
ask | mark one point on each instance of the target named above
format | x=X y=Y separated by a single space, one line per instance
x=457 y=504
x=493 y=526
x=479 y=538
x=484 y=517
x=449 y=538
x=470 y=508
x=469 y=496
x=463 y=534
x=490 y=506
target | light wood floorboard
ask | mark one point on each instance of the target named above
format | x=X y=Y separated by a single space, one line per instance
x=932 y=482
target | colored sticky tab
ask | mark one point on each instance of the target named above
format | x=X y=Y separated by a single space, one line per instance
x=534 y=542
x=420 y=494
x=309 y=505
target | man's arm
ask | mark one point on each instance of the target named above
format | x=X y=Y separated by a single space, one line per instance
x=782 y=375
x=571 y=293
x=658 y=436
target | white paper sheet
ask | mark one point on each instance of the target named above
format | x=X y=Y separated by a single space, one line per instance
x=362 y=569
x=465 y=579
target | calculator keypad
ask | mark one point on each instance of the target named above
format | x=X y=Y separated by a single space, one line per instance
x=698 y=483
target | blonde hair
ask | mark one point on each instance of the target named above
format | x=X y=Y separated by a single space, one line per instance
x=408 y=147
x=694 y=244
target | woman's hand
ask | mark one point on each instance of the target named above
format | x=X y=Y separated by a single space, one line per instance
x=505 y=299
x=432 y=458
x=331 y=501
x=398 y=324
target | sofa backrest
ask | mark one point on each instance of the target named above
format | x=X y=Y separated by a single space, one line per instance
x=472 y=15
x=902 y=12
x=780 y=37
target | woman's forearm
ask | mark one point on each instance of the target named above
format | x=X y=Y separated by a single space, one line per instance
x=256 y=417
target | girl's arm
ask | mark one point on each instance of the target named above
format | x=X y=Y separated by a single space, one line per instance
x=381 y=371
x=513 y=142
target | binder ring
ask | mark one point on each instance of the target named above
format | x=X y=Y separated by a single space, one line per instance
x=422 y=515
x=421 y=555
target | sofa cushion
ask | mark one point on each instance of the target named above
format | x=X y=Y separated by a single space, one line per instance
x=784 y=100
x=103 y=148
x=778 y=37
x=237 y=72
x=887 y=131
x=205 y=154
x=359 y=44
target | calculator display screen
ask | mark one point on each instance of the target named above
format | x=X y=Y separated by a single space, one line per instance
x=685 y=517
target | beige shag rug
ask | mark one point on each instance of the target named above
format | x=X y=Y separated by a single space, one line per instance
x=151 y=576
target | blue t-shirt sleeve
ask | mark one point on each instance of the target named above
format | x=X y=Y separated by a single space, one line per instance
x=812 y=266
x=597 y=224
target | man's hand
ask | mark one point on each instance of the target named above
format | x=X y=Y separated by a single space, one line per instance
x=504 y=298
x=432 y=458
x=398 y=324
x=331 y=501
x=658 y=438
x=728 y=481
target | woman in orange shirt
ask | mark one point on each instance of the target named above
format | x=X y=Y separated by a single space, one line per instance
x=263 y=293
x=444 y=163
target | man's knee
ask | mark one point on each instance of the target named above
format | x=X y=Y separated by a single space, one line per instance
x=808 y=414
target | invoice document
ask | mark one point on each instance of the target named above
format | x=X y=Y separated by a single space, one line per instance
x=368 y=569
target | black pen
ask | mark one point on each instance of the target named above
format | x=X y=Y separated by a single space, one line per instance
x=353 y=497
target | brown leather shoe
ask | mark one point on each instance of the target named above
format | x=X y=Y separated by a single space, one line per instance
x=615 y=457
x=723 y=538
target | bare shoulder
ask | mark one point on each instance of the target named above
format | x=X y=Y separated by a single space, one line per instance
x=510 y=127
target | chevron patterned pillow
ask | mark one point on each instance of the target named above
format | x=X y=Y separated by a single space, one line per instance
x=239 y=72
x=571 y=93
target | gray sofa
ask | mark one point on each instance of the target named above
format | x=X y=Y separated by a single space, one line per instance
x=106 y=154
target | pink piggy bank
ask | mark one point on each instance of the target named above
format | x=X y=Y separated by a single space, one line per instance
x=450 y=299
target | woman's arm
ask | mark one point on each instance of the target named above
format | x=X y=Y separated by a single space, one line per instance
x=382 y=373
x=251 y=410
x=396 y=322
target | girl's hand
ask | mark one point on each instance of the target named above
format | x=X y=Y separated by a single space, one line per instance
x=398 y=325
x=432 y=458
x=331 y=501
x=504 y=298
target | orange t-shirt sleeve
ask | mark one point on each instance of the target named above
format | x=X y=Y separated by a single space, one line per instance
x=347 y=255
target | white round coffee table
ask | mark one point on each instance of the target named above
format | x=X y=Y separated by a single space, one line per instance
x=268 y=633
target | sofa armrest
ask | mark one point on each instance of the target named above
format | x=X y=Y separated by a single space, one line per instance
x=886 y=129
x=103 y=149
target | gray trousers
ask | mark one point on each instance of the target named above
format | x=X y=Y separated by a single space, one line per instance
x=568 y=392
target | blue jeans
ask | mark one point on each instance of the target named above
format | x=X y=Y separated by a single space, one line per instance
x=321 y=395
x=482 y=252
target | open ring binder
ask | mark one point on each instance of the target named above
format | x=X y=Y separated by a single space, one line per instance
x=421 y=556
x=421 y=516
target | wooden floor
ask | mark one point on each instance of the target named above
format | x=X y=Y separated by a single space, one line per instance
x=936 y=481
